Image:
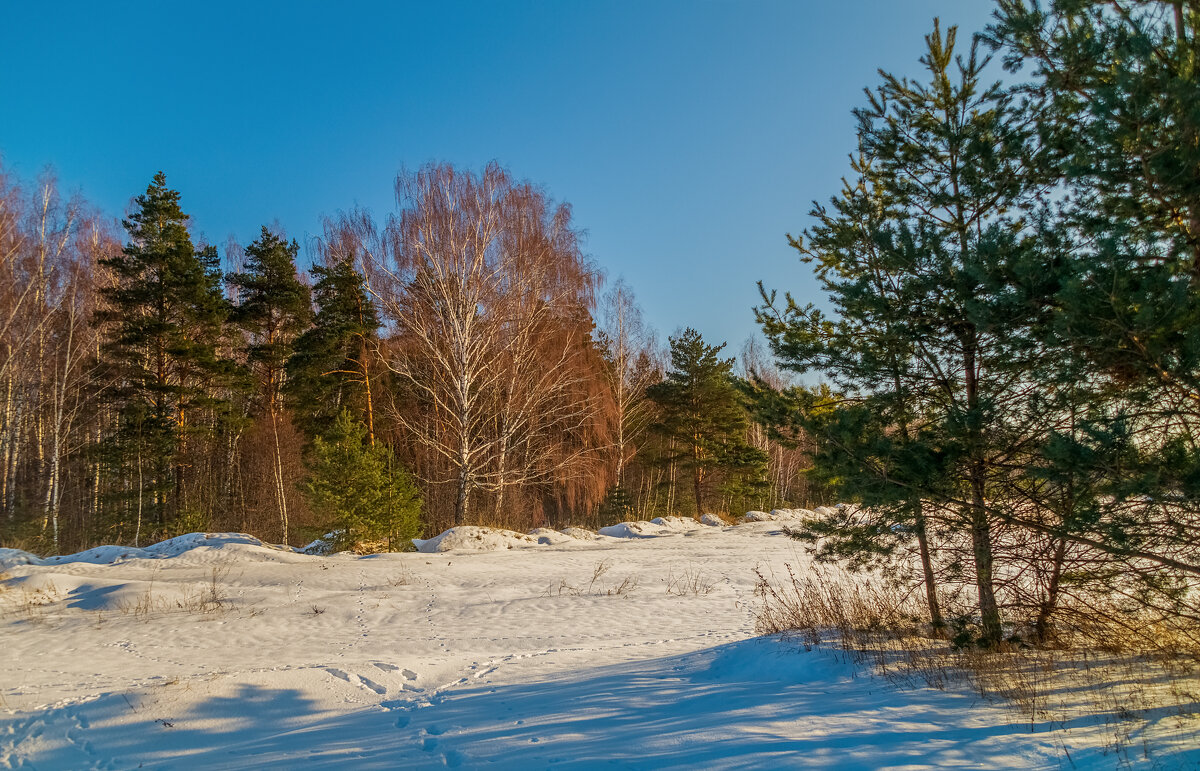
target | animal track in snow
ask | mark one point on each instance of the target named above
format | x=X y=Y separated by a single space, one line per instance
x=354 y=679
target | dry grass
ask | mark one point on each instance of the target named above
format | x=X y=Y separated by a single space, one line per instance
x=33 y=604
x=691 y=580
x=208 y=597
x=1125 y=691
x=402 y=578
x=595 y=584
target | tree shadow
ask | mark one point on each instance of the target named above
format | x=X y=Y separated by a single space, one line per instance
x=756 y=703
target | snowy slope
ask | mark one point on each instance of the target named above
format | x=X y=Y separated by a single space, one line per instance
x=508 y=650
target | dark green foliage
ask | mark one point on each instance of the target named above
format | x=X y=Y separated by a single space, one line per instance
x=617 y=506
x=328 y=371
x=164 y=320
x=702 y=415
x=360 y=490
x=273 y=307
x=927 y=343
x=1014 y=335
x=1114 y=93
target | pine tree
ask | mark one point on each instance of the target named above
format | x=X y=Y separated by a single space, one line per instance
x=274 y=309
x=329 y=370
x=700 y=409
x=164 y=319
x=916 y=257
x=360 y=489
x=1114 y=89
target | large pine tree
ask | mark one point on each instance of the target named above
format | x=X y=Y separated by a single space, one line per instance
x=1114 y=89
x=928 y=337
x=163 y=321
x=274 y=309
x=330 y=369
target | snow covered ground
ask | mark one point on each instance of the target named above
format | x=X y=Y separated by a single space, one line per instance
x=508 y=650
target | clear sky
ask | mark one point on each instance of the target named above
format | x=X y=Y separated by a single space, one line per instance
x=689 y=137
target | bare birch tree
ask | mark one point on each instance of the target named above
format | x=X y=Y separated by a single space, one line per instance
x=489 y=301
x=634 y=363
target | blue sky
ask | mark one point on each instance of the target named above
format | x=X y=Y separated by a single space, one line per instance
x=689 y=137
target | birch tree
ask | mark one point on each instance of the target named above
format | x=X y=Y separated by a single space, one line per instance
x=629 y=347
x=488 y=301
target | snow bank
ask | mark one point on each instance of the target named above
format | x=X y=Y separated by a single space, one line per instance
x=472 y=538
x=547 y=537
x=581 y=534
x=655 y=527
x=680 y=524
x=630 y=530
x=211 y=547
x=776 y=515
x=13 y=557
x=196 y=547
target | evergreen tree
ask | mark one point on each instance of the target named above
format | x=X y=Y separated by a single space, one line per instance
x=329 y=370
x=164 y=320
x=701 y=410
x=931 y=339
x=274 y=309
x=360 y=489
x=1115 y=88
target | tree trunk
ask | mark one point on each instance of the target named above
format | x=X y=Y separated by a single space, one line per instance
x=366 y=373
x=137 y=533
x=1041 y=627
x=935 y=611
x=501 y=482
x=279 y=488
x=462 y=499
x=50 y=503
x=981 y=535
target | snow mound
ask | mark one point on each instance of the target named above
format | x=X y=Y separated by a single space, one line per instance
x=323 y=546
x=13 y=557
x=680 y=524
x=194 y=547
x=712 y=520
x=655 y=527
x=548 y=537
x=776 y=515
x=472 y=538
x=630 y=530
x=792 y=513
x=581 y=533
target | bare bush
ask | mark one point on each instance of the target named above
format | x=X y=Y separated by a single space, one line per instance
x=594 y=586
x=691 y=580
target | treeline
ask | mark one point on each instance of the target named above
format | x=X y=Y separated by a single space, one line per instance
x=1014 y=355
x=457 y=362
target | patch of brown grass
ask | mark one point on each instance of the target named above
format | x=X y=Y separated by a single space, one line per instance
x=1128 y=690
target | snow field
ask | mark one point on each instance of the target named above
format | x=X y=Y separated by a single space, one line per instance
x=633 y=646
